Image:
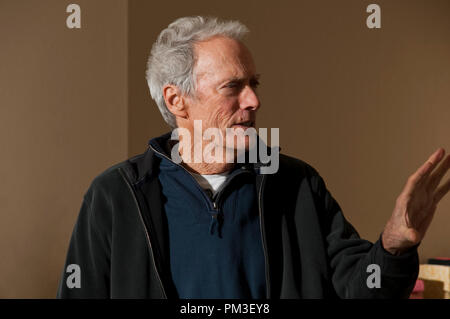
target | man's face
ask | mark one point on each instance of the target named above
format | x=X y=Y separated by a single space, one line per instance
x=226 y=82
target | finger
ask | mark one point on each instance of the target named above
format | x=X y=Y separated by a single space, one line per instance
x=434 y=160
x=442 y=191
x=438 y=174
x=424 y=170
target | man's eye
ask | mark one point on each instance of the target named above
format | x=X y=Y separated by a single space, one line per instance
x=232 y=85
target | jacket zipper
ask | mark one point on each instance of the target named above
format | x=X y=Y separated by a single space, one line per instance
x=263 y=237
x=146 y=233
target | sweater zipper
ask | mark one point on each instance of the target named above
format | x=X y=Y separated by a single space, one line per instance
x=196 y=184
x=212 y=204
x=215 y=208
x=263 y=238
x=146 y=234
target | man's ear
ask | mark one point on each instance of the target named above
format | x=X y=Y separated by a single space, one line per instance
x=174 y=100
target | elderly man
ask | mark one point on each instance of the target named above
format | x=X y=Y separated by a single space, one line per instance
x=154 y=227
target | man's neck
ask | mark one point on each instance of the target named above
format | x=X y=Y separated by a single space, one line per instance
x=203 y=167
x=208 y=168
x=212 y=167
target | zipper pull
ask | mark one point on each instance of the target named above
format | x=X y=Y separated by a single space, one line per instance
x=215 y=222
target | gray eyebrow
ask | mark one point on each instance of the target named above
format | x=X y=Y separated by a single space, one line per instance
x=254 y=77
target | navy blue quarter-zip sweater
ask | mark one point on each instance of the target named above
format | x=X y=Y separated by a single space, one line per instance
x=215 y=245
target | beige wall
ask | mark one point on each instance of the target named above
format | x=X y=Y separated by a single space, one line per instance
x=63 y=119
x=365 y=107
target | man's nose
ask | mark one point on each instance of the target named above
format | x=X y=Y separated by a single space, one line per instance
x=248 y=99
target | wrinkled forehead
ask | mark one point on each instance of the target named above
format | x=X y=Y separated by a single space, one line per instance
x=220 y=58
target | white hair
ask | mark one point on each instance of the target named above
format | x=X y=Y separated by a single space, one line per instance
x=172 y=58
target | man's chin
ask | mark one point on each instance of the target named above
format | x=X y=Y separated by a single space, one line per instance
x=241 y=127
x=241 y=144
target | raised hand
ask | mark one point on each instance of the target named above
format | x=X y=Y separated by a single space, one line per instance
x=416 y=205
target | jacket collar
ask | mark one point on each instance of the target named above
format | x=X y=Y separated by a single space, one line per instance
x=147 y=162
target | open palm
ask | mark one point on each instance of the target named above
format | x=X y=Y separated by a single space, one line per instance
x=416 y=205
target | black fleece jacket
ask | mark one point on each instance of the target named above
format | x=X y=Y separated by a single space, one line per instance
x=120 y=240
